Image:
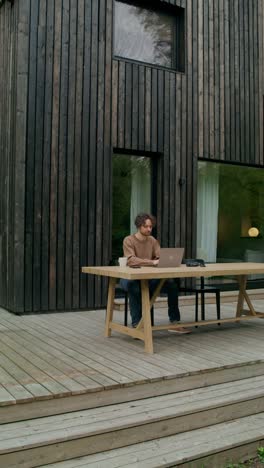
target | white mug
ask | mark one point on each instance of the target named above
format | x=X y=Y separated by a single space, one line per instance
x=122 y=261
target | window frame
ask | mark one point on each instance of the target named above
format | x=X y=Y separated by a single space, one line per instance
x=179 y=42
x=154 y=162
x=221 y=282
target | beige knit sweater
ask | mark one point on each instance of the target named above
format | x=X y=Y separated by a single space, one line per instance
x=141 y=252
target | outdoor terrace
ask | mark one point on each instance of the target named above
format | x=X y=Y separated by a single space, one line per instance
x=58 y=365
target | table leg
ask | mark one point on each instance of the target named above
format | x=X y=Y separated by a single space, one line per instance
x=110 y=305
x=251 y=310
x=152 y=300
x=243 y=296
x=242 y=281
x=146 y=316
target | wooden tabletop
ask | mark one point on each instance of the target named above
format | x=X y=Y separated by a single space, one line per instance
x=211 y=269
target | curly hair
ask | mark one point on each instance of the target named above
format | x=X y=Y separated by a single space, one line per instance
x=141 y=218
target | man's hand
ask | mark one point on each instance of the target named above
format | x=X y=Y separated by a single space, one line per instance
x=155 y=262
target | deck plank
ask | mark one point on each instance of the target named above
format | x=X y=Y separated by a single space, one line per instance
x=175 y=449
x=33 y=365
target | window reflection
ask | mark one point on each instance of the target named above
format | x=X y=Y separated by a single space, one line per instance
x=131 y=195
x=145 y=35
x=230 y=207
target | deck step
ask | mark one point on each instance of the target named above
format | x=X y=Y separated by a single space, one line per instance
x=46 y=440
x=214 y=446
x=186 y=381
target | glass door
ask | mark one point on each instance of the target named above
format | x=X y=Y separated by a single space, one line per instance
x=132 y=194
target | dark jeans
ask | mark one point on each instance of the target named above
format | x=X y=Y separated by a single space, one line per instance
x=171 y=288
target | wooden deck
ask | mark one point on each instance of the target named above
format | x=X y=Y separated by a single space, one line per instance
x=43 y=357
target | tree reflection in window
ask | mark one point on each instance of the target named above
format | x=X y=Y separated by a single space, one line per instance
x=131 y=195
x=146 y=35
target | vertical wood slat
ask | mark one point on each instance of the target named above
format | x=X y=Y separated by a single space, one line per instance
x=135 y=104
x=86 y=135
x=260 y=79
x=200 y=84
x=141 y=107
x=78 y=129
x=211 y=79
x=147 y=93
x=8 y=39
x=20 y=155
x=236 y=81
x=178 y=175
x=242 y=83
x=39 y=144
x=227 y=80
x=46 y=161
x=221 y=81
x=166 y=161
x=183 y=162
x=189 y=223
x=194 y=72
x=172 y=158
x=30 y=168
x=62 y=156
x=69 y=210
x=154 y=113
x=4 y=34
x=100 y=147
x=93 y=154
x=128 y=113
x=232 y=81
x=251 y=148
x=206 y=90
x=256 y=64
x=247 y=81
x=217 y=114
x=107 y=204
x=12 y=155
x=53 y=219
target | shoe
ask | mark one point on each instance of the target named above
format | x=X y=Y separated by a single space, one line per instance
x=134 y=325
x=180 y=330
x=175 y=322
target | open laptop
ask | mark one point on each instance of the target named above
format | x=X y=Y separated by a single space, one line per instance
x=170 y=257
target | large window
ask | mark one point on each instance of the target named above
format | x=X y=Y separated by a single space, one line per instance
x=132 y=187
x=230 y=216
x=154 y=36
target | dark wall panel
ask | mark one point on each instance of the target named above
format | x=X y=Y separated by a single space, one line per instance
x=8 y=111
x=68 y=149
x=228 y=79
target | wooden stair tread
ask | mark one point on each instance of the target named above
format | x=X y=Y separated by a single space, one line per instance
x=53 y=429
x=176 y=449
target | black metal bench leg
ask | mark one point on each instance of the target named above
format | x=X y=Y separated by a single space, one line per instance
x=202 y=306
x=152 y=316
x=196 y=306
x=126 y=309
x=217 y=294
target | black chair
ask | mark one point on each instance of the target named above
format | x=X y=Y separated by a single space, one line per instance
x=203 y=289
x=121 y=293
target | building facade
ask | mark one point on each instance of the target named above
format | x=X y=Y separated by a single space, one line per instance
x=78 y=86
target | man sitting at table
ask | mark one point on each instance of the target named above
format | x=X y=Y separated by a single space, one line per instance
x=142 y=249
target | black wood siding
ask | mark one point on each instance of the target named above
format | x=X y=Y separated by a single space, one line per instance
x=72 y=103
x=9 y=120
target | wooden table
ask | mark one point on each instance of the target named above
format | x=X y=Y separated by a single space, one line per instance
x=144 y=328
